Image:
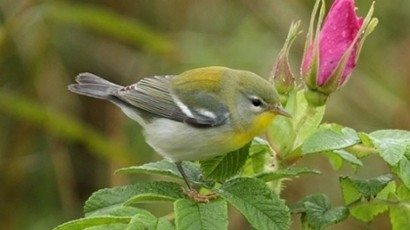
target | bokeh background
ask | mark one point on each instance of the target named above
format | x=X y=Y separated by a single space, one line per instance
x=56 y=148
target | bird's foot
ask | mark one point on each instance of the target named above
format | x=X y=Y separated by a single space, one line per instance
x=200 y=198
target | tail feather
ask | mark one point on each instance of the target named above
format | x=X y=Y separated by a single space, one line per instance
x=93 y=86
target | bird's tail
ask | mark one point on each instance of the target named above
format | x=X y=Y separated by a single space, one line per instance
x=93 y=86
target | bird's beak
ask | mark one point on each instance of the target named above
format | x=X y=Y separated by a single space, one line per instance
x=281 y=111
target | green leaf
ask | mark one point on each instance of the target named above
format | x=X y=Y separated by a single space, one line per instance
x=335 y=160
x=399 y=218
x=403 y=171
x=400 y=213
x=149 y=197
x=366 y=212
x=385 y=193
x=367 y=188
x=166 y=168
x=391 y=144
x=123 y=211
x=317 y=213
x=225 y=166
x=349 y=191
x=109 y=227
x=404 y=194
x=365 y=139
x=190 y=215
x=260 y=157
x=337 y=157
x=147 y=221
x=288 y=134
x=260 y=206
x=329 y=139
x=281 y=130
x=102 y=221
x=286 y=173
x=348 y=157
x=259 y=145
x=112 y=198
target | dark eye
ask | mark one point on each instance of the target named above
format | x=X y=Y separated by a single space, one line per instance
x=256 y=102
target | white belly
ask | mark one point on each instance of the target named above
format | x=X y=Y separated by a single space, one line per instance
x=177 y=141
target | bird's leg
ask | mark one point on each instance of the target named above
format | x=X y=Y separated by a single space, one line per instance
x=191 y=192
x=184 y=176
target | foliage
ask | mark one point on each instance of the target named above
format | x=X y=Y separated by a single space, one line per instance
x=239 y=177
x=364 y=199
x=44 y=44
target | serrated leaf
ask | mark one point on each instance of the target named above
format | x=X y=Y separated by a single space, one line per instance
x=166 y=168
x=366 y=212
x=330 y=139
x=399 y=218
x=367 y=188
x=147 y=221
x=102 y=221
x=400 y=213
x=386 y=192
x=224 y=167
x=257 y=203
x=260 y=157
x=403 y=193
x=286 y=173
x=403 y=171
x=190 y=215
x=317 y=212
x=349 y=191
x=112 y=198
x=391 y=144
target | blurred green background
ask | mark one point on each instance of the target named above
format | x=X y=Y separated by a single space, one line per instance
x=56 y=148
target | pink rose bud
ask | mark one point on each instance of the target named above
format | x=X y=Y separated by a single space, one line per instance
x=331 y=55
x=282 y=75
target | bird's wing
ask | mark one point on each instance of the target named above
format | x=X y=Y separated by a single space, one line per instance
x=153 y=95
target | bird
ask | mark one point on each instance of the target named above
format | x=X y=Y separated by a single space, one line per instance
x=196 y=115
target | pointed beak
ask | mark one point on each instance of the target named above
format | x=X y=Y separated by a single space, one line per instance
x=281 y=111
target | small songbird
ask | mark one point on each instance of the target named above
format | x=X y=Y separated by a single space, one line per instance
x=196 y=115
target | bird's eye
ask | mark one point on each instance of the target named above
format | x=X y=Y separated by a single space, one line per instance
x=256 y=102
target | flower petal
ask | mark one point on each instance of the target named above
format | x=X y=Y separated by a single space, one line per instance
x=340 y=27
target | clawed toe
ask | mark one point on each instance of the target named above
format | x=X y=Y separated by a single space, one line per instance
x=194 y=194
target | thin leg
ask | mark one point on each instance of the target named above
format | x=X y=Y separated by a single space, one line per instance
x=181 y=170
x=191 y=192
